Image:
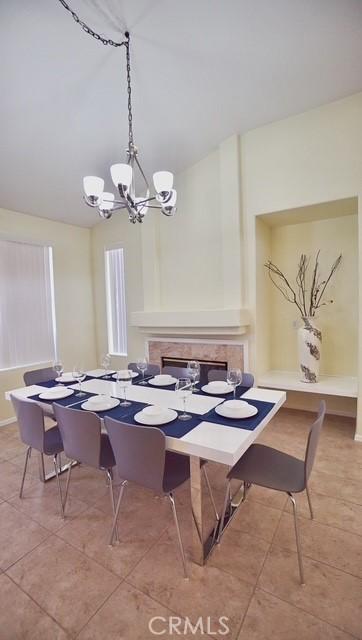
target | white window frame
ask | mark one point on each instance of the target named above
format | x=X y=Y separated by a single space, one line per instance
x=110 y=328
x=20 y=240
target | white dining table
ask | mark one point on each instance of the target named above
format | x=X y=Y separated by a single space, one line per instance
x=206 y=441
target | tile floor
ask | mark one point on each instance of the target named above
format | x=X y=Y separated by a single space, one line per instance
x=61 y=580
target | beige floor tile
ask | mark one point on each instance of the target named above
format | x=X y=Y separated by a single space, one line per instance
x=90 y=533
x=256 y=519
x=64 y=582
x=22 y=619
x=41 y=503
x=129 y=614
x=338 y=548
x=333 y=486
x=160 y=576
x=270 y=498
x=268 y=617
x=327 y=510
x=343 y=463
x=18 y=535
x=10 y=445
x=240 y=554
x=10 y=480
x=88 y=485
x=33 y=464
x=330 y=594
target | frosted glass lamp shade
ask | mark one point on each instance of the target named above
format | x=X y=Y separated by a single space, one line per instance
x=93 y=187
x=173 y=197
x=163 y=181
x=107 y=201
x=121 y=174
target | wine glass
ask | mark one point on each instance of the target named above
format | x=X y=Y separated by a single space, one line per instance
x=124 y=379
x=233 y=378
x=183 y=390
x=59 y=368
x=79 y=374
x=142 y=364
x=193 y=370
x=105 y=364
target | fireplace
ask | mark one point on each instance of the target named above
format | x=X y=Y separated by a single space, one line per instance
x=205 y=365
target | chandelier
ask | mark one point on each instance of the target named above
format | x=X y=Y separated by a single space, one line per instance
x=125 y=175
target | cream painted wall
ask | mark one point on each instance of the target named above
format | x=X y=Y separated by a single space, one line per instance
x=338 y=321
x=307 y=159
x=73 y=291
x=189 y=244
x=118 y=231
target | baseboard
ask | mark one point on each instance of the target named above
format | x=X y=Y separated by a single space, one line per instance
x=3 y=423
x=358 y=437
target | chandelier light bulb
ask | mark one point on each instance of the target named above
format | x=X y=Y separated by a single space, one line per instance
x=93 y=188
x=163 y=181
x=121 y=173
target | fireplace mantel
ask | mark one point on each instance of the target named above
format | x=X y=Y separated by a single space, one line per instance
x=192 y=322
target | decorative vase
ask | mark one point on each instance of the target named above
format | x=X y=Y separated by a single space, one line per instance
x=309 y=347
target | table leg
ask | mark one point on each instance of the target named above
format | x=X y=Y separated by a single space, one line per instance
x=44 y=477
x=196 y=506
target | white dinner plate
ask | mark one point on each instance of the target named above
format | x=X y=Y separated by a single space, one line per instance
x=245 y=412
x=156 y=383
x=134 y=374
x=212 y=391
x=56 y=393
x=66 y=377
x=144 y=418
x=109 y=403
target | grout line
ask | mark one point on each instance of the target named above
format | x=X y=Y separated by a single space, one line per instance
x=325 y=524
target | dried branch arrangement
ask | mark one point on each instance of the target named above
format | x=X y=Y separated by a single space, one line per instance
x=307 y=297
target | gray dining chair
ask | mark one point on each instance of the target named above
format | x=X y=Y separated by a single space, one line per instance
x=141 y=457
x=152 y=369
x=39 y=375
x=85 y=443
x=273 y=469
x=33 y=434
x=176 y=372
x=220 y=374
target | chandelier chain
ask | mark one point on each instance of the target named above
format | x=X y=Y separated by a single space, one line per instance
x=129 y=92
x=94 y=34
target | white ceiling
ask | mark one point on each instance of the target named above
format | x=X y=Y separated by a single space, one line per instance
x=202 y=70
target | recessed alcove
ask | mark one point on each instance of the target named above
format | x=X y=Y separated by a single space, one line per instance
x=332 y=228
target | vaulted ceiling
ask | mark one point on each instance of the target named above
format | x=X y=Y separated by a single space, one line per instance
x=202 y=70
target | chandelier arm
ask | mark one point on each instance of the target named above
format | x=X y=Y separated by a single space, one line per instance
x=142 y=172
x=94 y=34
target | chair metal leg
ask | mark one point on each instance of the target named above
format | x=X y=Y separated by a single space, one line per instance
x=55 y=462
x=114 y=525
x=299 y=551
x=67 y=487
x=210 y=492
x=227 y=501
x=310 y=503
x=111 y=491
x=27 y=456
x=173 y=505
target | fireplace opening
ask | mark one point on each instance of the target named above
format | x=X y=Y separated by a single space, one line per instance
x=205 y=365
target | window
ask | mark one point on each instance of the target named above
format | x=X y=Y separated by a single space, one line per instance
x=116 y=302
x=27 y=316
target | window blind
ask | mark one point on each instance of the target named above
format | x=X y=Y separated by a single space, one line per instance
x=116 y=302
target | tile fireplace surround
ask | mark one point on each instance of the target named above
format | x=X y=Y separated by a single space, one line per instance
x=232 y=353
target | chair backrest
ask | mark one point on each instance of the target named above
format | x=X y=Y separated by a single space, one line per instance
x=220 y=374
x=313 y=439
x=152 y=369
x=139 y=453
x=176 y=372
x=31 y=422
x=81 y=434
x=39 y=375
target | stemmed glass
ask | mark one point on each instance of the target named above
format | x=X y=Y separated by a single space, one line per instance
x=233 y=378
x=59 y=368
x=142 y=364
x=105 y=364
x=79 y=374
x=193 y=370
x=124 y=379
x=183 y=389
